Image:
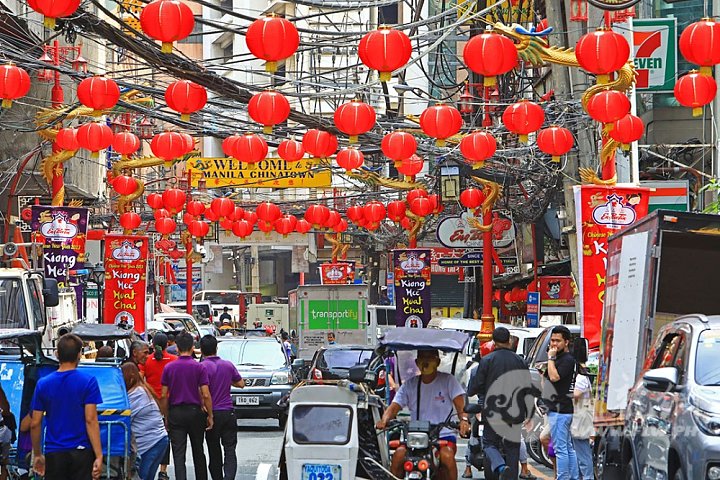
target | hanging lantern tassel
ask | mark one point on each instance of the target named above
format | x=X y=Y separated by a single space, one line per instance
x=185 y=117
x=267 y=129
x=49 y=23
x=6 y=103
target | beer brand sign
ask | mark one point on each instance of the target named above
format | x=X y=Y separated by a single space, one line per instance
x=126 y=280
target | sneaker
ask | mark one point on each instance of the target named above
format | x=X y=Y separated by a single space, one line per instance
x=163 y=476
x=505 y=473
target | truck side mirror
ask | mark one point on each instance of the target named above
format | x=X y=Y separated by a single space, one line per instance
x=51 y=294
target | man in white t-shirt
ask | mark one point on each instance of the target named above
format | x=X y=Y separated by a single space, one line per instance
x=439 y=393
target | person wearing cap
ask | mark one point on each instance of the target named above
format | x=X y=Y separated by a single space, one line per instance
x=225 y=317
x=502 y=384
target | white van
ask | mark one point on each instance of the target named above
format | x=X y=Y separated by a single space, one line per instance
x=180 y=321
x=380 y=318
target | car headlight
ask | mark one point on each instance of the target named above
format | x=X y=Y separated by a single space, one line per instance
x=713 y=473
x=708 y=422
x=418 y=440
x=280 y=378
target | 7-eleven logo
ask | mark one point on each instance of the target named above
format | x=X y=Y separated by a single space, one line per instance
x=650 y=56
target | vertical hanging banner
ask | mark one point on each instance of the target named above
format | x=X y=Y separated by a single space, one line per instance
x=412 y=287
x=340 y=273
x=126 y=280
x=62 y=232
x=601 y=212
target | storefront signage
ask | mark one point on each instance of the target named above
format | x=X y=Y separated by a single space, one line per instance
x=125 y=280
x=340 y=273
x=655 y=49
x=600 y=213
x=532 y=313
x=557 y=291
x=269 y=173
x=412 y=287
x=458 y=232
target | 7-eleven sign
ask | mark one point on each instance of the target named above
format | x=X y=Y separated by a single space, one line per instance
x=655 y=52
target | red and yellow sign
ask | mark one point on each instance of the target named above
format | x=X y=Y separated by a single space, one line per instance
x=557 y=291
x=601 y=212
x=269 y=173
x=337 y=273
x=125 y=280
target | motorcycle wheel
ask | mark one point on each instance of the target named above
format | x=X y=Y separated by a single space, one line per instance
x=536 y=451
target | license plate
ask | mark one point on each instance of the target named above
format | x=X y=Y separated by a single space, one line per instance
x=320 y=472
x=247 y=400
x=415 y=475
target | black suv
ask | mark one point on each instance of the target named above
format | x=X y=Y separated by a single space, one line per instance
x=267 y=372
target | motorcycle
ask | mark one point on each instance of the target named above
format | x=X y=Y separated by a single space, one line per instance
x=535 y=448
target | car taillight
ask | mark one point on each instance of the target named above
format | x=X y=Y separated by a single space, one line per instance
x=317 y=374
x=423 y=465
x=409 y=466
x=394 y=444
x=381 y=378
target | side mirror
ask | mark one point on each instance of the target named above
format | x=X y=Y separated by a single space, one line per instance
x=51 y=294
x=298 y=363
x=661 y=379
x=472 y=408
x=360 y=374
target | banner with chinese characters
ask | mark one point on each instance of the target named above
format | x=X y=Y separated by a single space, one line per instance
x=601 y=212
x=125 y=280
x=341 y=273
x=62 y=232
x=412 y=287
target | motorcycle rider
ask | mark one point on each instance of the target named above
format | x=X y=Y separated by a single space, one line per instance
x=430 y=396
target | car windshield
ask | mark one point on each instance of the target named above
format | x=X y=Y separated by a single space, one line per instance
x=223 y=298
x=344 y=358
x=321 y=424
x=253 y=353
x=12 y=305
x=707 y=372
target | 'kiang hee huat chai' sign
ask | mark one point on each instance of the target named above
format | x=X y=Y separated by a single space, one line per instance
x=268 y=173
x=62 y=232
x=412 y=287
x=600 y=213
x=125 y=280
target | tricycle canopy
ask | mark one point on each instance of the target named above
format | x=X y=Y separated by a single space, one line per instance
x=404 y=338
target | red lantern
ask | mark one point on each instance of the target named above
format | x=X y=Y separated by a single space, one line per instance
x=385 y=50
x=555 y=141
x=130 y=220
x=14 y=84
x=268 y=212
x=124 y=185
x=627 y=130
x=602 y=52
x=155 y=201
x=269 y=108
x=228 y=145
x=94 y=136
x=226 y=224
x=332 y=220
x=161 y=213
x=285 y=225
x=174 y=199
x=523 y=117
x=188 y=218
x=185 y=97
x=354 y=118
x=490 y=54
x=608 y=106
x=407 y=223
x=355 y=213
x=411 y=166
x=396 y=210
x=317 y=215
x=167 y=21
x=165 y=225
x=695 y=90
x=374 y=212
x=222 y=207
x=319 y=143
x=291 y=150
x=700 y=44
x=272 y=39
x=472 y=198
x=251 y=217
x=416 y=193
x=189 y=142
x=66 y=139
x=398 y=146
x=126 y=143
x=436 y=203
x=195 y=207
x=265 y=227
x=242 y=228
x=421 y=206
x=440 y=122
x=341 y=226
x=210 y=215
x=198 y=228
x=168 y=145
x=478 y=147
x=250 y=148
x=53 y=9
x=303 y=226
x=237 y=214
x=98 y=93
x=350 y=159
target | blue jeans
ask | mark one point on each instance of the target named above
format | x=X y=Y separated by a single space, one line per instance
x=150 y=460
x=567 y=466
x=584 y=454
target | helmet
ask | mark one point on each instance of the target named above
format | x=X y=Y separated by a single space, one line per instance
x=487 y=348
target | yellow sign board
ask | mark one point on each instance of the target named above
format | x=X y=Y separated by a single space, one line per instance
x=269 y=173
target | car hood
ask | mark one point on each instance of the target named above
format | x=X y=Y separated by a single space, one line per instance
x=248 y=371
x=706 y=398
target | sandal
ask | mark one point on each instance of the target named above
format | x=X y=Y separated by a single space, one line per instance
x=528 y=476
x=467 y=475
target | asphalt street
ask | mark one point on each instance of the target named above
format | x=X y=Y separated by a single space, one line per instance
x=260 y=443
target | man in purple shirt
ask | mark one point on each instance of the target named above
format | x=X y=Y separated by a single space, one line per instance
x=186 y=399
x=221 y=374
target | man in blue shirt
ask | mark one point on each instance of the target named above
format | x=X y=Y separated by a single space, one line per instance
x=68 y=398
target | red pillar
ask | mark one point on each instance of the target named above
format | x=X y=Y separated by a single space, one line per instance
x=57 y=98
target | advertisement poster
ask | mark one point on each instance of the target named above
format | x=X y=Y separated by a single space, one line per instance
x=62 y=231
x=557 y=291
x=654 y=42
x=532 y=314
x=340 y=273
x=412 y=287
x=125 y=280
x=601 y=212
